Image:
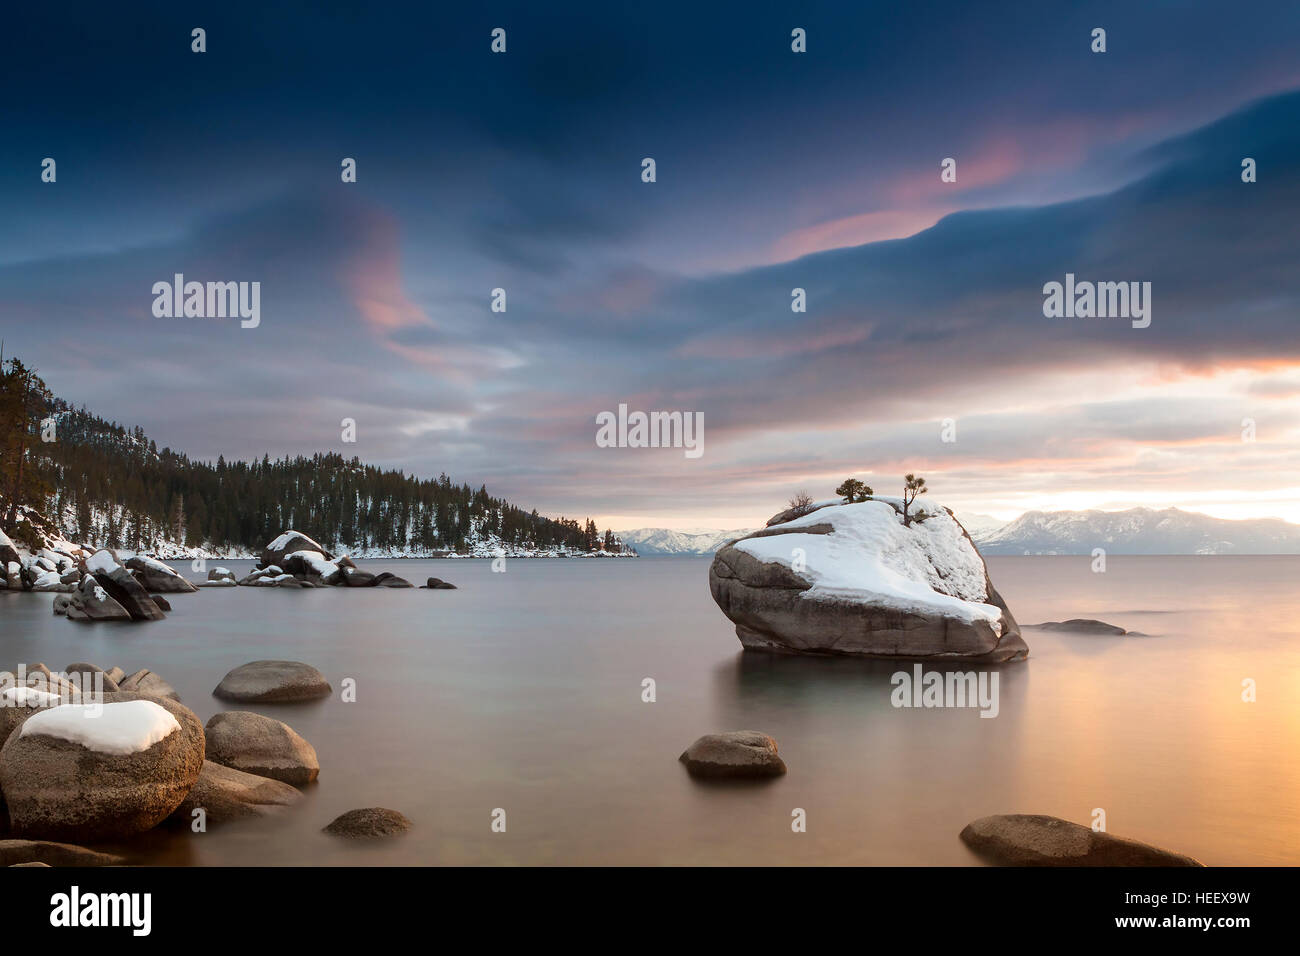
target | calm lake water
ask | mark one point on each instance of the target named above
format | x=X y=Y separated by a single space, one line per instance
x=522 y=691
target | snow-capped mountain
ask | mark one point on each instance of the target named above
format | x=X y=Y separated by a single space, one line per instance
x=649 y=541
x=1139 y=531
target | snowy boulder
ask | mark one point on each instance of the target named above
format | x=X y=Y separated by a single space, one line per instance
x=68 y=774
x=851 y=579
x=156 y=576
x=225 y=794
x=220 y=578
x=289 y=543
x=47 y=580
x=368 y=823
x=122 y=587
x=1024 y=839
x=737 y=753
x=261 y=745
x=313 y=564
x=265 y=682
x=92 y=603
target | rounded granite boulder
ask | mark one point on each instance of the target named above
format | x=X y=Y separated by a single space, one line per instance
x=262 y=746
x=91 y=779
x=737 y=753
x=267 y=682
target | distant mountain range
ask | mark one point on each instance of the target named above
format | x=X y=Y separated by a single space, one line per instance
x=652 y=541
x=1136 y=531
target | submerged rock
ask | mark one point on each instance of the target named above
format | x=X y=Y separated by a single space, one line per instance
x=852 y=579
x=1082 y=625
x=1023 y=839
x=261 y=745
x=737 y=753
x=368 y=823
x=272 y=682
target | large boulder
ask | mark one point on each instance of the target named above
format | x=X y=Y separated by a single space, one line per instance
x=286 y=544
x=225 y=794
x=93 y=603
x=156 y=576
x=66 y=776
x=1024 y=839
x=736 y=753
x=852 y=579
x=261 y=745
x=122 y=586
x=263 y=682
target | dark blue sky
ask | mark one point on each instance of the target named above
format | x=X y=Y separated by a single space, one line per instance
x=775 y=170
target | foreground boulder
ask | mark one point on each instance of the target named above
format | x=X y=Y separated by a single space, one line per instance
x=1022 y=839
x=49 y=853
x=273 y=682
x=68 y=777
x=368 y=823
x=225 y=794
x=156 y=576
x=852 y=579
x=737 y=753
x=261 y=745
x=122 y=587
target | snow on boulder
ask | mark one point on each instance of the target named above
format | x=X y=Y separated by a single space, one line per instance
x=287 y=544
x=123 y=728
x=313 y=563
x=156 y=577
x=84 y=778
x=852 y=579
x=122 y=587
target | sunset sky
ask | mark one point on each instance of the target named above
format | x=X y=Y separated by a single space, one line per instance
x=775 y=170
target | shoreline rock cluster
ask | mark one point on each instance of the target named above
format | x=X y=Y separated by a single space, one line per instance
x=107 y=585
x=89 y=756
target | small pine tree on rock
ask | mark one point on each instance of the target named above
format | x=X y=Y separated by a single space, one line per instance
x=852 y=491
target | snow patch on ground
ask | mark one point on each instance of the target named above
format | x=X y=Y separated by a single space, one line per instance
x=871 y=558
x=124 y=727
